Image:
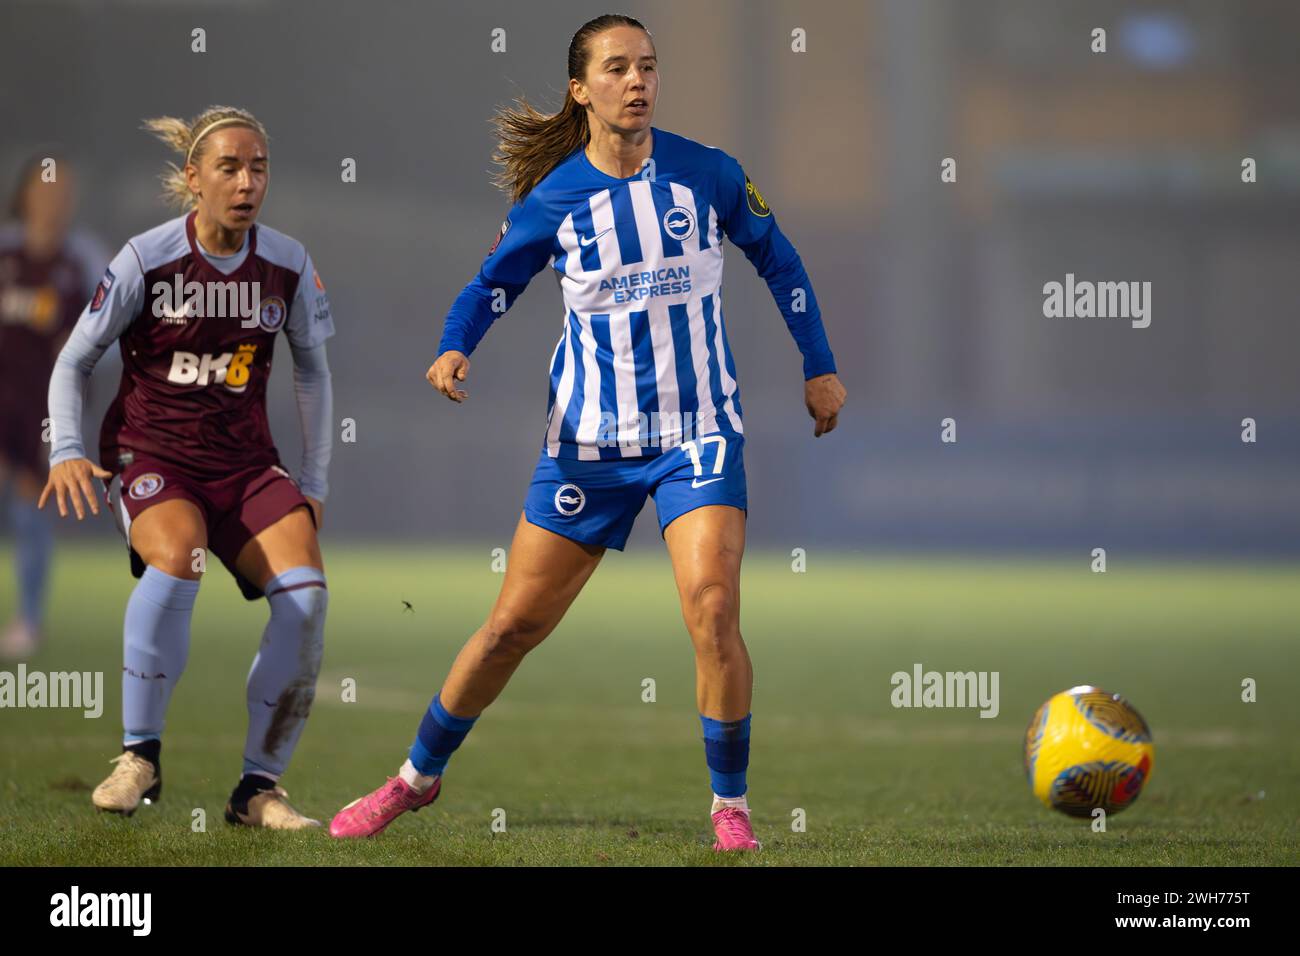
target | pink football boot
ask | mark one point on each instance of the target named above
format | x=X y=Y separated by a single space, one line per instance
x=734 y=831
x=370 y=814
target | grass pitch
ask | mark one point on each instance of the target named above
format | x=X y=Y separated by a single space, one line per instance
x=585 y=772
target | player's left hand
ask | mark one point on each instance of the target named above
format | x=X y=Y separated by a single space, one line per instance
x=824 y=397
x=317 y=510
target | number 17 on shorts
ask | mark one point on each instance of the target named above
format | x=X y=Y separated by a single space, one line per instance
x=693 y=449
x=711 y=472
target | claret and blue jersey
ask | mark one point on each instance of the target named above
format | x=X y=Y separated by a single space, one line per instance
x=642 y=362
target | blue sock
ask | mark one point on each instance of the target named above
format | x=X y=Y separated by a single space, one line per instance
x=156 y=644
x=437 y=739
x=35 y=540
x=726 y=750
x=282 y=680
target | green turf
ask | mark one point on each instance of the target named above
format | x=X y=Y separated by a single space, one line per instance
x=587 y=773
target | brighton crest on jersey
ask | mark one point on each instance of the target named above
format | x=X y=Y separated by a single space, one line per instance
x=642 y=362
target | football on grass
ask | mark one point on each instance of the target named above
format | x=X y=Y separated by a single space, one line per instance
x=1087 y=748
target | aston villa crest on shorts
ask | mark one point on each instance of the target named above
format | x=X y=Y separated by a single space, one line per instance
x=146 y=486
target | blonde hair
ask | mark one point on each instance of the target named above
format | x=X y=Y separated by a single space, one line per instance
x=529 y=143
x=187 y=138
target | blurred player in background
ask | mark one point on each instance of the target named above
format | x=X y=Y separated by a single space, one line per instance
x=188 y=455
x=47 y=274
x=643 y=397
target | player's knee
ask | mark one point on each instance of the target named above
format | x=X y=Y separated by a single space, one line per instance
x=179 y=561
x=713 y=617
x=510 y=635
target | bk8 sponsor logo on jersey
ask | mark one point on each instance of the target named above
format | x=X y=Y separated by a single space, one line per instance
x=231 y=369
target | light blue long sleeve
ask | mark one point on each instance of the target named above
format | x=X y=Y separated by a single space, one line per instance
x=112 y=309
x=312 y=388
x=67 y=394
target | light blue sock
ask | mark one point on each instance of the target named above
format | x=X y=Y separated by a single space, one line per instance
x=156 y=644
x=35 y=541
x=282 y=680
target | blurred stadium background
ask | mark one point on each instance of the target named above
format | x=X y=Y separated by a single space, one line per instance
x=1073 y=433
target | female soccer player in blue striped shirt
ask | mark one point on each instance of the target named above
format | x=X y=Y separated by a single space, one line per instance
x=643 y=396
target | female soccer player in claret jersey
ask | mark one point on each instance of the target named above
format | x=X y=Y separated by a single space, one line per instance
x=48 y=272
x=643 y=397
x=188 y=461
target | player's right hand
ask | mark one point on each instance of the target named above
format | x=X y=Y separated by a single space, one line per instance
x=449 y=368
x=71 y=480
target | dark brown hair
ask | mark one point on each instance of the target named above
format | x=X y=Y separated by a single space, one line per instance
x=531 y=143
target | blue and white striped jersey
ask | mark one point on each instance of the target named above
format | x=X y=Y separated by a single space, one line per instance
x=642 y=362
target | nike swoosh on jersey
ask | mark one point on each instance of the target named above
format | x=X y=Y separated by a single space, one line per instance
x=696 y=483
x=586 y=242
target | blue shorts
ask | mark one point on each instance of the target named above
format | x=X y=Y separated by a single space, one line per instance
x=597 y=501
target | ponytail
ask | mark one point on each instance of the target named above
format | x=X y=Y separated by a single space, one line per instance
x=529 y=143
